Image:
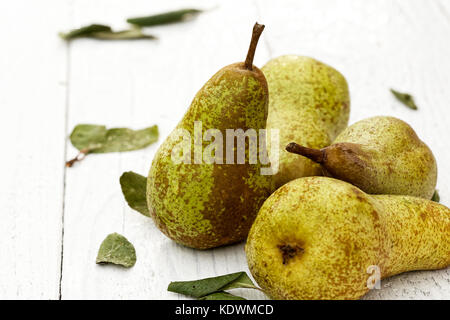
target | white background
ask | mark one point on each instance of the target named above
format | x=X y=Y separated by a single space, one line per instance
x=53 y=218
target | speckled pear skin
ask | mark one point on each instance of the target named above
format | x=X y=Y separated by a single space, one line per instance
x=316 y=237
x=383 y=155
x=310 y=103
x=209 y=205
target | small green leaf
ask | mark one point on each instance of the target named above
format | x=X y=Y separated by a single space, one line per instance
x=134 y=188
x=131 y=34
x=221 y=295
x=116 y=249
x=203 y=287
x=405 y=98
x=103 y=32
x=164 y=18
x=89 y=138
x=436 y=197
x=124 y=139
x=85 y=31
x=243 y=281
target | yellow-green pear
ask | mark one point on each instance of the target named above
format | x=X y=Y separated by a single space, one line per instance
x=380 y=155
x=204 y=201
x=310 y=104
x=322 y=238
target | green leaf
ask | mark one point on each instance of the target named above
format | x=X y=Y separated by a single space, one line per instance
x=204 y=287
x=84 y=31
x=243 y=281
x=88 y=136
x=134 y=188
x=405 y=98
x=164 y=18
x=436 y=197
x=124 y=139
x=221 y=295
x=116 y=249
x=97 y=139
x=103 y=32
x=131 y=34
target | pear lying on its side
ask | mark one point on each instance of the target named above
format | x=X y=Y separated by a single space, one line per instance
x=379 y=155
x=310 y=104
x=321 y=238
x=205 y=204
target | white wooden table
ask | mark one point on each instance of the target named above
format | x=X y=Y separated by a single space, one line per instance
x=53 y=218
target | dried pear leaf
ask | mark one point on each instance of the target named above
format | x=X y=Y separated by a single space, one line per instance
x=405 y=98
x=134 y=188
x=436 y=197
x=131 y=34
x=203 y=287
x=164 y=18
x=116 y=249
x=85 y=31
x=221 y=295
x=88 y=138
x=103 y=32
x=96 y=139
x=243 y=281
x=124 y=139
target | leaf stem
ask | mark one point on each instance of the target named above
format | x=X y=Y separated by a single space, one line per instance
x=79 y=157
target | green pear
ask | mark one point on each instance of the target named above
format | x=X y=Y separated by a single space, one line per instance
x=322 y=238
x=379 y=155
x=201 y=203
x=310 y=104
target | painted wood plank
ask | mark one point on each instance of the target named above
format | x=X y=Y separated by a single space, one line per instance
x=136 y=84
x=32 y=127
x=377 y=45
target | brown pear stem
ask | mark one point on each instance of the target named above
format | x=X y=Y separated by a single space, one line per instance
x=313 y=154
x=257 y=30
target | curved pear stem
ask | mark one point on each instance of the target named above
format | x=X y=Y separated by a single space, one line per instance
x=313 y=154
x=257 y=30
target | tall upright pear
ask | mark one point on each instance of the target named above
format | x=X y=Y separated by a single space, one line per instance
x=309 y=104
x=200 y=193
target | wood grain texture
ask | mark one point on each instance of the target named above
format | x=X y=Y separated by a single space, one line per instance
x=376 y=44
x=32 y=130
